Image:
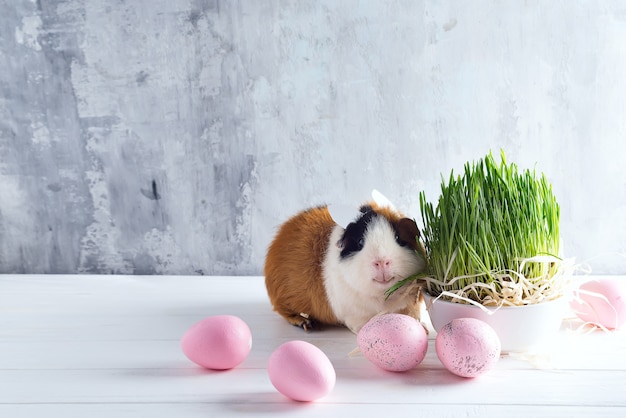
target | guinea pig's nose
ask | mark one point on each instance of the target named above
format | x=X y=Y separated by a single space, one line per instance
x=382 y=263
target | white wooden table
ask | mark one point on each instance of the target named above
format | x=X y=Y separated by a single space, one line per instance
x=109 y=346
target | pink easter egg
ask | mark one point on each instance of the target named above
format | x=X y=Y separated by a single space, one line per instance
x=468 y=347
x=219 y=342
x=393 y=342
x=601 y=302
x=301 y=371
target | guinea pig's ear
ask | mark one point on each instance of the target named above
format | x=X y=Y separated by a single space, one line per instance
x=408 y=231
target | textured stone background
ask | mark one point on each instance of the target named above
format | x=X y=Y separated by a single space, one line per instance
x=172 y=137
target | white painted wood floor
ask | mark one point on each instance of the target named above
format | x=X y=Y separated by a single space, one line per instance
x=109 y=346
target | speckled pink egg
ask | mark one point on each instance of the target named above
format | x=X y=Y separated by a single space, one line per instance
x=601 y=302
x=219 y=342
x=468 y=347
x=301 y=371
x=393 y=342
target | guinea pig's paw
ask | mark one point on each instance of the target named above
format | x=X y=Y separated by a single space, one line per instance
x=302 y=320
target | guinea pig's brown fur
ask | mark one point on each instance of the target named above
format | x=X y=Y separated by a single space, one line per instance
x=295 y=275
x=292 y=270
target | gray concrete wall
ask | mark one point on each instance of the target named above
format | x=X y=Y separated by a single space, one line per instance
x=172 y=137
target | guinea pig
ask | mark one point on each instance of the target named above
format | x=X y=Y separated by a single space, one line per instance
x=317 y=272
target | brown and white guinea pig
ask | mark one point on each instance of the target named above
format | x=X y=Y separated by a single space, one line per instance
x=317 y=272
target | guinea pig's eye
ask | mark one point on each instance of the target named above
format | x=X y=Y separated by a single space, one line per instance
x=361 y=244
x=400 y=242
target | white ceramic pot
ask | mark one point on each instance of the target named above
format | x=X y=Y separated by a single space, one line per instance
x=520 y=328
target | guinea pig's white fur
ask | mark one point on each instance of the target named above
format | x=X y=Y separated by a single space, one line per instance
x=354 y=286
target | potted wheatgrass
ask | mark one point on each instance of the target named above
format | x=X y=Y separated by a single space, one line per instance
x=492 y=249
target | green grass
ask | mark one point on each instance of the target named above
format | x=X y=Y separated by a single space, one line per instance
x=493 y=236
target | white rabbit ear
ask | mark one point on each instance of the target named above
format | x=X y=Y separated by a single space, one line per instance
x=342 y=214
x=382 y=201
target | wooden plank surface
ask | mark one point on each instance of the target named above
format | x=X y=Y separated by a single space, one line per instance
x=110 y=346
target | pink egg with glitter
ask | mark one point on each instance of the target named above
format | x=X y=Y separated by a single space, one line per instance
x=601 y=302
x=301 y=371
x=393 y=342
x=218 y=342
x=468 y=347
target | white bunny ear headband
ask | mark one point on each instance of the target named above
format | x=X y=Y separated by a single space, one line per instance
x=382 y=201
x=344 y=214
